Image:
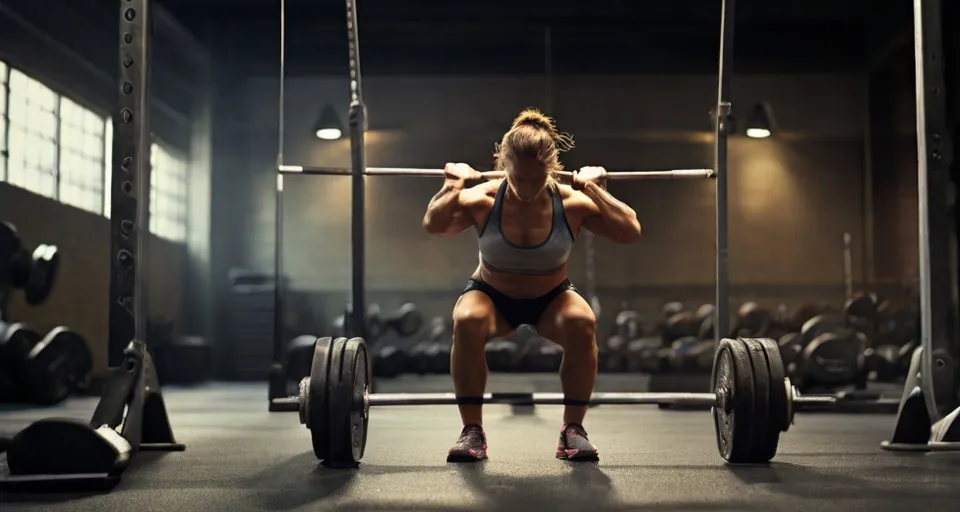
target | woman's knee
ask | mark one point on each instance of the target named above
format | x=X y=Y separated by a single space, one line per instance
x=579 y=325
x=472 y=319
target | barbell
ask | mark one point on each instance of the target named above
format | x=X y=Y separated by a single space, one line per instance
x=490 y=175
x=753 y=400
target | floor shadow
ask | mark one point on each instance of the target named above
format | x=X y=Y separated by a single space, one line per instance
x=841 y=484
x=584 y=484
x=291 y=484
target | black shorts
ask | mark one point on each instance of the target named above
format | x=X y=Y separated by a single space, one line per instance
x=519 y=311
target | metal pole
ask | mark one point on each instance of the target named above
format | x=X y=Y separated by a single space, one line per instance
x=938 y=310
x=130 y=197
x=357 y=122
x=278 y=289
x=727 y=18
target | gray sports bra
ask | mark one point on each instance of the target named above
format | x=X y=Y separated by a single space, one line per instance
x=502 y=255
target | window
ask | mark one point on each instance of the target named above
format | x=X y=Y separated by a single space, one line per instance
x=32 y=160
x=3 y=120
x=81 y=157
x=168 y=194
x=107 y=167
x=168 y=189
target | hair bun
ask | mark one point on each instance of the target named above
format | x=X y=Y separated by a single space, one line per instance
x=535 y=118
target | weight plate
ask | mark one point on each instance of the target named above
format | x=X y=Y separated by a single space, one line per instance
x=765 y=443
x=316 y=414
x=760 y=420
x=347 y=421
x=733 y=377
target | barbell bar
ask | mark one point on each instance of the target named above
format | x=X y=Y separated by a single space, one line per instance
x=292 y=404
x=438 y=173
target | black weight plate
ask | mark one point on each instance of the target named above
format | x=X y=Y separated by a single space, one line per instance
x=347 y=421
x=334 y=356
x=761 y=396
x=733 y=373
x=317 y=398
x=769 y=367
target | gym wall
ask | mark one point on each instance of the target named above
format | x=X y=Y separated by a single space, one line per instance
x=894 y=161
x=791 y=197
x=73 y=50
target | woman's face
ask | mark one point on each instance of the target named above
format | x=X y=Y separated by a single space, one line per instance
x=527 y=178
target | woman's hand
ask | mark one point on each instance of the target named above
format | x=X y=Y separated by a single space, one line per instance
x=596 y=175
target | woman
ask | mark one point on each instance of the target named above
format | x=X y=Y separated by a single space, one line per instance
x=526 y=225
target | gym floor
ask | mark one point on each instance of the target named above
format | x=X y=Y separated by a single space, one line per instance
x=240 y=457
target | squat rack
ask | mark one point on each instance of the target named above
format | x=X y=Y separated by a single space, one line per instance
x=938 y=355
x=355 y=326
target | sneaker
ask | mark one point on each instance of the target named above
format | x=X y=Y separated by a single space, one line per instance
x=574 y=444
x=471 y=445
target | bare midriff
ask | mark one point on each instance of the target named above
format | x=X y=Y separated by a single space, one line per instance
x=520 y=286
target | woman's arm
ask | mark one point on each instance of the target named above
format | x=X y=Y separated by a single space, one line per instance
x=610 y=217
x=446 y=215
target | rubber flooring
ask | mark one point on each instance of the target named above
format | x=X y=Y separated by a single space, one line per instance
x=239 y=457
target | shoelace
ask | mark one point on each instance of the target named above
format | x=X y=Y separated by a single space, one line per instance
x=470 y=433
x=576 y=429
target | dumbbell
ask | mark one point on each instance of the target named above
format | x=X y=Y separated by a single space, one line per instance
x=822 y=324
x=432 y=353
x=680 y=325
x=684 y=353
x=704 y=317
x=540 y=355
x=431 y=357
x=613 y=354
x=405 y=321
x=642 y=355
x=804 y=314
x=670 y=308
x=861 y=313
x=390 y=360
x=791 y=351
x=502 y=355
x=46 y=370
x=34 y=273
x=890 y=362
x=752 y=321
x=832 y=360
x=629 y=324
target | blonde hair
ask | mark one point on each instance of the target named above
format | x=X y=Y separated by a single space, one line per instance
x=533 y=135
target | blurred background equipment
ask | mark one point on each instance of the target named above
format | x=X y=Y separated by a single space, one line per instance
x=35 y=368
